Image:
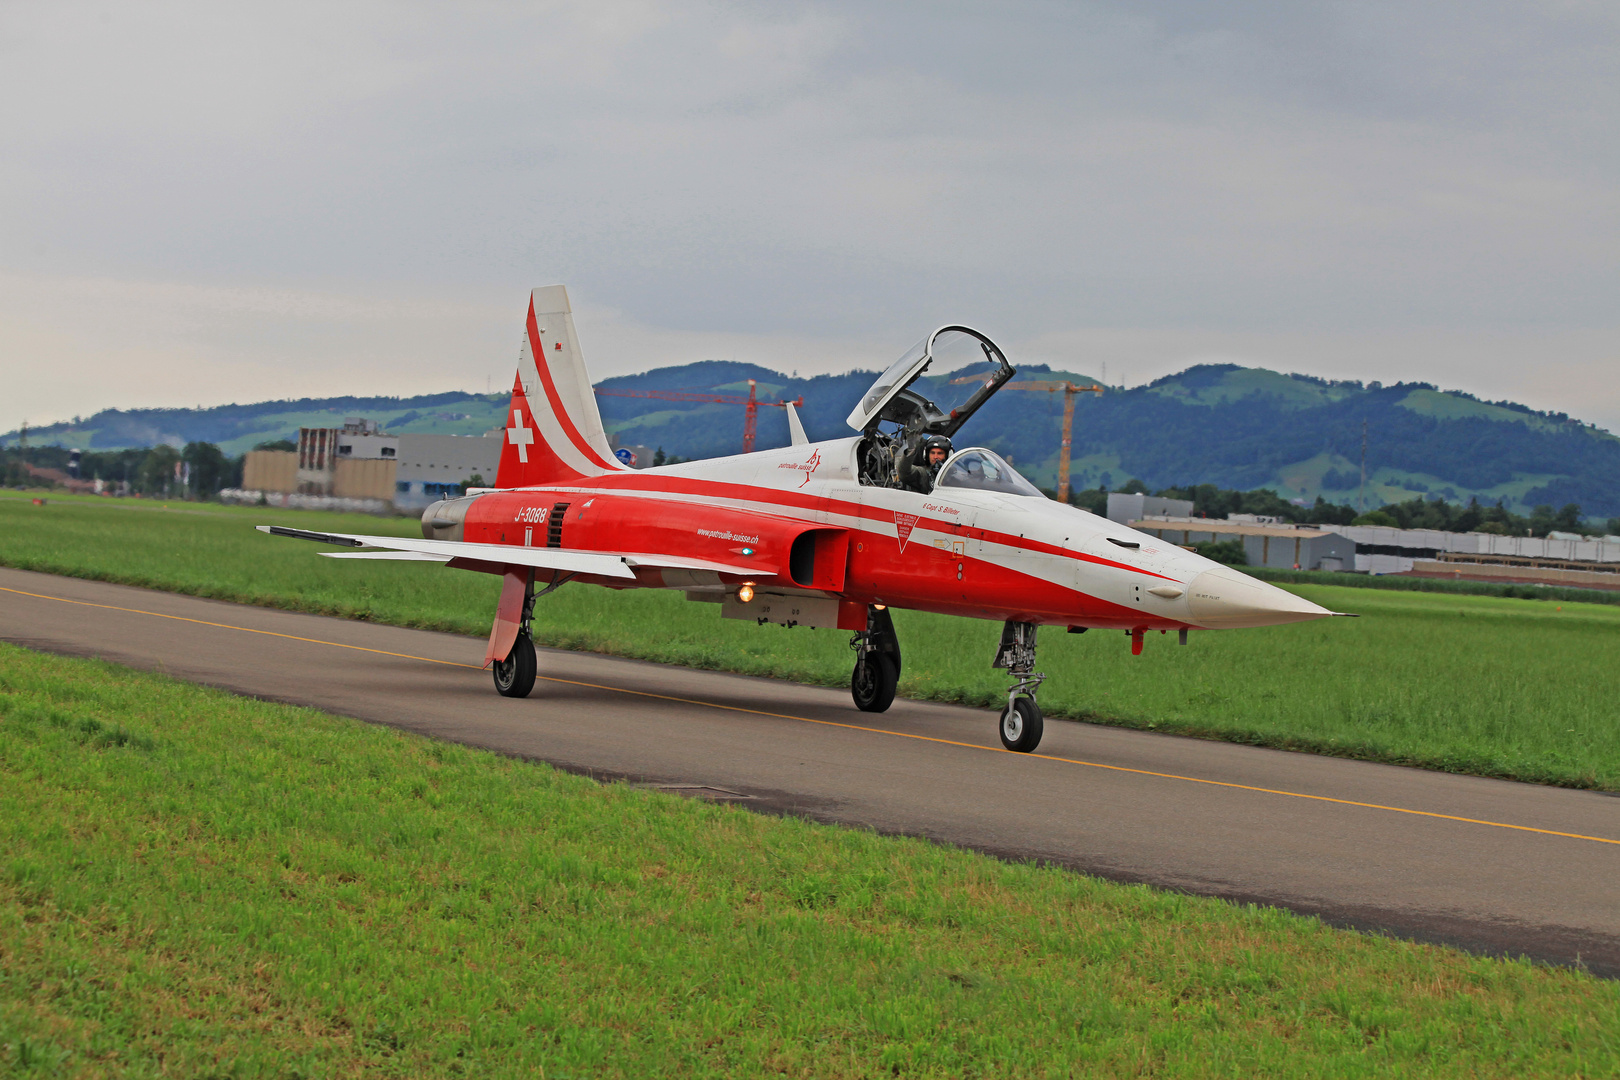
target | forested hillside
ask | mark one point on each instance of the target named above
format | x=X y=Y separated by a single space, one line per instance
x=235 y=428
x=1234 y=427
x=1226 y=425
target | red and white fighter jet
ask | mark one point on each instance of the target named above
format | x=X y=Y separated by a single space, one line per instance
x=813 y=534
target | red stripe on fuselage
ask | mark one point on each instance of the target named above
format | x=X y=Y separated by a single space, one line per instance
x=656 y=485
x=538 y=348
x=922 y=577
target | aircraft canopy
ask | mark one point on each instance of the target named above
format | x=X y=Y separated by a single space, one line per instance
x=970 y=368
x=984 y=470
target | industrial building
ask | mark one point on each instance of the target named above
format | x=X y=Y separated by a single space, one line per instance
x=359 y=466
x=1556 y=559
x=1125 y=508
x=434 y=466
x=1266 y=542
x=1284 y=547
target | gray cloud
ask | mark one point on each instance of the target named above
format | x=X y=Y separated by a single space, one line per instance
x=213 y=197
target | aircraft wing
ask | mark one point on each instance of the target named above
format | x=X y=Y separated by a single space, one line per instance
x=570 y=560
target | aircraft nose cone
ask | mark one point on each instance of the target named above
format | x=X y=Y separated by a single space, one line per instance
x=1224 y=598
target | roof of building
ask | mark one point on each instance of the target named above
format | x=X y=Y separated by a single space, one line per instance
x=1216 y=525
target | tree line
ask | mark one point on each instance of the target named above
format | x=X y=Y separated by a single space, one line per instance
x=203 y=468
x=206 y=470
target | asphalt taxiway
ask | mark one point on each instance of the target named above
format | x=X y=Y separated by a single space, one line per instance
x=1489 y=865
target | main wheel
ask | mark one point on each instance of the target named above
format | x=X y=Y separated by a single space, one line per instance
x=873 y=682
x=1021 y=725
x=514 y=676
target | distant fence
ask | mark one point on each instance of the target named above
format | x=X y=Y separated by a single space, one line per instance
x=293 y=501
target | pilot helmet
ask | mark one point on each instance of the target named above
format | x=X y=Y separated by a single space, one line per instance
x=936 y=441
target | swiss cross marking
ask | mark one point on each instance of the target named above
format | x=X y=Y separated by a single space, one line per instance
x=520 y=436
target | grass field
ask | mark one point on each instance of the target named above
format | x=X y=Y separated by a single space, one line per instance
x=195 y=884
x=1455 y=587
x=1516 y=688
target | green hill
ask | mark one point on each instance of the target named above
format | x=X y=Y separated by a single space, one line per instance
x=1215 y=423
x=236 y=428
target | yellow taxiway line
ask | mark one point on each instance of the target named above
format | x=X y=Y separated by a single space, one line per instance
x=850 y=727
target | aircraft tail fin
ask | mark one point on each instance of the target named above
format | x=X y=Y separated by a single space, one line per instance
x=554 y=432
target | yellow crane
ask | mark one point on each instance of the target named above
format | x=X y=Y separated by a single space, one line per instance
x=1069 y=389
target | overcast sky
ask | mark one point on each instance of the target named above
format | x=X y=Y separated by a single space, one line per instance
x=222 y=202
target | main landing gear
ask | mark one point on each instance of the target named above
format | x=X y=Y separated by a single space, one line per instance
x=1021 y=723
x=877 y=662
x=515 y=675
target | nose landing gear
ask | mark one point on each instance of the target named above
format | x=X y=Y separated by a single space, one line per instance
x=1021 y=724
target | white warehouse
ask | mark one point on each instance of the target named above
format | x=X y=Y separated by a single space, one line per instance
x=433 y=466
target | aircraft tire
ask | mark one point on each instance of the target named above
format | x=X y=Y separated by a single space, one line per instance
x=514 y=676
x=873 y=681
x=1021 y=725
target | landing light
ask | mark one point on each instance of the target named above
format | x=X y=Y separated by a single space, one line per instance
x=745 y=594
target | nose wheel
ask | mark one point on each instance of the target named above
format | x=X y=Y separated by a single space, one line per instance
x=1021 y=724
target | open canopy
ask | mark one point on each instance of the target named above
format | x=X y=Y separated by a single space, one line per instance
x=968 y=369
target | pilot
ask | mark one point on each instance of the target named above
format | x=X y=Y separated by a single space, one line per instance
x=919 y=476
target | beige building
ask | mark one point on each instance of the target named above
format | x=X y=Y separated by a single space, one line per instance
x=270 y=470
x=359 y=461
x=356 y=461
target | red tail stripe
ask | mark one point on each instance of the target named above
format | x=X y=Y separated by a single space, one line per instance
x=538 y=348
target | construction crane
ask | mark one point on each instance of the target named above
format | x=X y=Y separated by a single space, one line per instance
x=751 y=415
x=1051 y=387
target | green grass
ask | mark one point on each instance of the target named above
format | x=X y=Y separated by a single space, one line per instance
x=1526 y=689
x=1454 y=586
x=194 y=884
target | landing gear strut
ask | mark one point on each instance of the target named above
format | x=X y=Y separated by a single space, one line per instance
x=514 y=676
x=877 y=662
x=1021 y=723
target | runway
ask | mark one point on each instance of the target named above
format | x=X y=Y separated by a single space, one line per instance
x=1489 y=865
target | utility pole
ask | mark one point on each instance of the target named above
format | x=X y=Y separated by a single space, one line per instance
x=750 y=419
x=1361 y=500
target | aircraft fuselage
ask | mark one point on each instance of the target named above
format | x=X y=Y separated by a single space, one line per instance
x=799 y=515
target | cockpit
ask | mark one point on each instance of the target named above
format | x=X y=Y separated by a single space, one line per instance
x=931 y=390
x=984 y=470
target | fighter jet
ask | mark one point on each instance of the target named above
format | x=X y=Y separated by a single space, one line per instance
x=830 y=534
